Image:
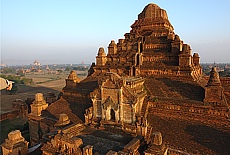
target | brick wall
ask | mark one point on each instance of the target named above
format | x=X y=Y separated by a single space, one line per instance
x=204 y=114
x=9 y=115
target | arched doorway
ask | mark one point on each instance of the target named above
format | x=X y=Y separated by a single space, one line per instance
x=112 y=115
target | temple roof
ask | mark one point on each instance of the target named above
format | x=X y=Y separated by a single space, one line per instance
x=59 y=107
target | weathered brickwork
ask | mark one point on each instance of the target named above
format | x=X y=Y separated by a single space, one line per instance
x=151 y=72
x=150 y=48
x=205 y=114
x=120 y=100
x=15 y=144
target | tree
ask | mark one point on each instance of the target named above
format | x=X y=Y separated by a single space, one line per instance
x=7 y=70
x=67 y=69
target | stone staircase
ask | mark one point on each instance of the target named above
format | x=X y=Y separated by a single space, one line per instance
x=73 y=130
x=148 y=134
x=144 y=109
x=115 y=128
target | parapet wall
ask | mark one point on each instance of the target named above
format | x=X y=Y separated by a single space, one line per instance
x=170 y=70
x=205 y=114
x=9 y=115
x=225 y=80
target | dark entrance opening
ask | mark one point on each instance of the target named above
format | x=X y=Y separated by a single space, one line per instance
x=141 y=48
x=137 y=60
x=134 y=71
x=112 y=115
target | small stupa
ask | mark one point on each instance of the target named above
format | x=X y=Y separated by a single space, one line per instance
x=63 y=120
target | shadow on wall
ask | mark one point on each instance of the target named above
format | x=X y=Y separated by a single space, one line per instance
x=211 y=138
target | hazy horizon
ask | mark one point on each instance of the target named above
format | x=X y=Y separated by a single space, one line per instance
x=58 y=32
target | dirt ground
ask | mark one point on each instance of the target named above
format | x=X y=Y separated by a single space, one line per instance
x=23 y=93
x=42 y=84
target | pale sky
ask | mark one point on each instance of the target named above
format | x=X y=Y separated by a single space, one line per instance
x=71 y=31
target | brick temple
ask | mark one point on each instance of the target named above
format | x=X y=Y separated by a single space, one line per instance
x=137 y=99
x=150 y=48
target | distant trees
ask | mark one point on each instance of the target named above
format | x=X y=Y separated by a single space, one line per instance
x=67 y=69
x=206 y=71
x=8 y=70
x=222 y=68
x=78 y=68
x=26 y=81
x=225 y=73
x=59 y=71
x=18 y=79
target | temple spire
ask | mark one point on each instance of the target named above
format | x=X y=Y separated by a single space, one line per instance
x=152 y=19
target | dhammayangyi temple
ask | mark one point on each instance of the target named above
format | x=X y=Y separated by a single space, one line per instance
x=146 y=95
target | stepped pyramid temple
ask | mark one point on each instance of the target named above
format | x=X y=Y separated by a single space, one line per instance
x=145 y=95
x=151 y=48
